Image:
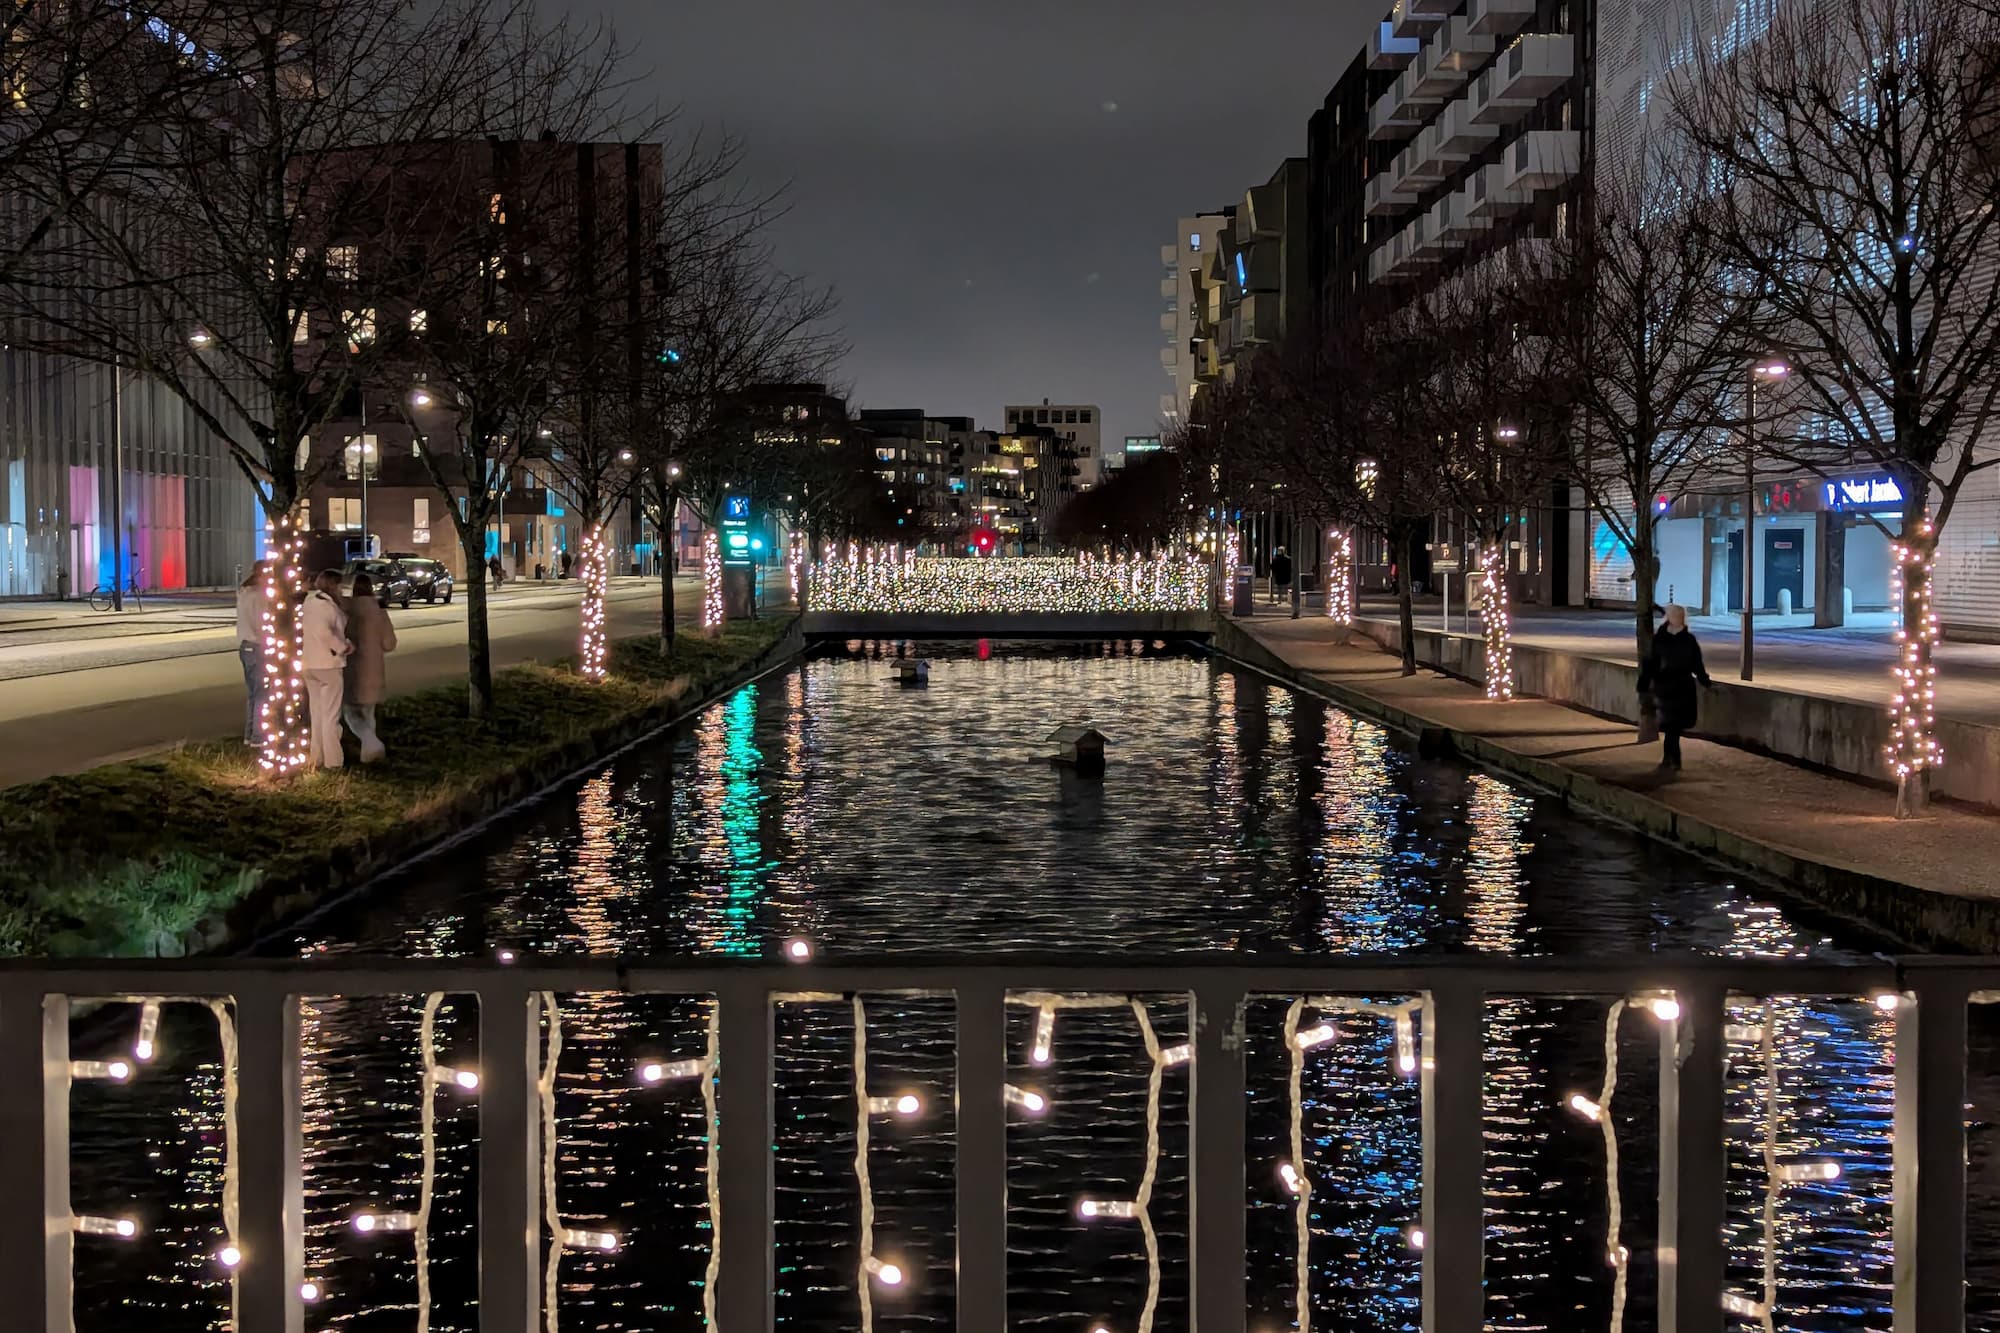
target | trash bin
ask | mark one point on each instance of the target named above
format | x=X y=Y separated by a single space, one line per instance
x=1243 y=591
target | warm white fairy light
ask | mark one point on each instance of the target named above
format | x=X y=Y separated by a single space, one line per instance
x=577 y=1238
x=893 y=580
x=1177 y=1055
x=888 y=1274
x=1095 y=1208
x=1232 y=555
x=1744 y=1306
x=1340 y=576
x=1415 y=1235
x=371 y=1223
x=1406 y=1043
x=309 y=1292
x=907 y=1105
x=1913 y=746
x=121 y=1228
x=1034 y=1103
x=1493 y=611
x=147 y=1044
x=711 y=581
x=1314 y=1036
x=1045 y=1035
x=110 y=1071
x=592 y=641
x=1585 y=1107
x=1793 y=1173
x=795 y=564
x=281 y=720
x=465 y=1080
x=1663 y=1007
x=799 y=949
x=229 y=1256
x=658 y=1071
x=1888 y=1002
x=1288 y=1175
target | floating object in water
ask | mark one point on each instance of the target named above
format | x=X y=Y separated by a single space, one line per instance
x=913 y=671
x=1079 y=745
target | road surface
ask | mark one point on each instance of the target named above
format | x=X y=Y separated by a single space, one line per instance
x=79 y=689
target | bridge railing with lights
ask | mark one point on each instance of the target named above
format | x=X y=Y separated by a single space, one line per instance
x=1437 y=1007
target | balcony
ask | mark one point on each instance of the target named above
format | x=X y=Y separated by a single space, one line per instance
x=1540 y=160
x=1388 y=51
x=1498 y=17
x=1453 y=221
x=1488 y=194
x=1384 y=198
x=1170 y=288
x=1170 y=322
x=1529 y=70
x=1170 y=358
x=1455 y=136
x=1170 y=255
x=1446 y=1006
x=1449 y=58
x=1257 y=319
x=1400 y=112
x=1416 y=18
x=1416 y=167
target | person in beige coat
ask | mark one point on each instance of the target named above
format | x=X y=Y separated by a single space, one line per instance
x=323 y=635
x=374 y=638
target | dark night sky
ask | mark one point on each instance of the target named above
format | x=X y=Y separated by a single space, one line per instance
x=959 y=173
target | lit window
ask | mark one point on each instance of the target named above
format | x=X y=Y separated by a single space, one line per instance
x=301 y=326
x=343 y=262
x=361 y=452
x=495 y=268
x=343 y=514
x=360 y=326
x=497 y=327
x=496 y=209
x=420 y=320
x=420 y=520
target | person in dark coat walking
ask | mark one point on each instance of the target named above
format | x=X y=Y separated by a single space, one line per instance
x=1281 y=573
x=1670 y=676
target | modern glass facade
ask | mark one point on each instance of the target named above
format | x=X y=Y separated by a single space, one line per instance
x=189 y=516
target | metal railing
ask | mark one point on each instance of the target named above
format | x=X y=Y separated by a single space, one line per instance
x=1929 y=1232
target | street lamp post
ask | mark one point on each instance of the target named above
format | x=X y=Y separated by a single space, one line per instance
x=1773 y=370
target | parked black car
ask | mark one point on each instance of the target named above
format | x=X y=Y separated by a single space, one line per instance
x=428 y=578
x=391 y=583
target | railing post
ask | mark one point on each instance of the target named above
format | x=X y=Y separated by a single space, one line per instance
x=270 y=1220
x=1929 y=1222
x=982 y=1158
x=1454 y=1149
x=510 y=1224
x=1692 y=1164
x=1217 y=1202
x=744 y=1294
x=34 y=1159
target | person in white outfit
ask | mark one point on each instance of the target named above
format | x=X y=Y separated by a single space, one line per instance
x=250 y=651
x=323 y=626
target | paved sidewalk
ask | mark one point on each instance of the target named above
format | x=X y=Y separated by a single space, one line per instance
x=1849 y=663
x=1831 y=836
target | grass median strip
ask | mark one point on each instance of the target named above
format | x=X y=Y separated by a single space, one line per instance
x=129 y=858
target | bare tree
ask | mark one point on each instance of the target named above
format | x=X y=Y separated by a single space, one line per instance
x=208 y=262
x=1853 y=154
x=1650 y=339
x=1499 y=404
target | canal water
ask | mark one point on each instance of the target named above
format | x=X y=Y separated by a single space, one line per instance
x=827 y=802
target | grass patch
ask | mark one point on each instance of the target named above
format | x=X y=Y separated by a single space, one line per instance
x=126 y=859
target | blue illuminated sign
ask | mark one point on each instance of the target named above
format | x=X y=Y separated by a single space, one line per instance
x=1242 y=272
x=736 y=507
x=1880 y=492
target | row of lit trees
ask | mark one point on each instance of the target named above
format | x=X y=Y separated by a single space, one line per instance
x=1812 y=211
x=274 y=209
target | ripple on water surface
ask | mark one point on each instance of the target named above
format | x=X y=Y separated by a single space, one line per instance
x=829 y=802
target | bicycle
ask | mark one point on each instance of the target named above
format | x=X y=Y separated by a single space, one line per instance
x=101 y=599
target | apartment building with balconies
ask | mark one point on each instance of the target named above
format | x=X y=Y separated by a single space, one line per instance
x=1194 y=241
x=1479 y=135
x=1256 y=282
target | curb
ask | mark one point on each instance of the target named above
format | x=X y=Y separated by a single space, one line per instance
x=1913 y=916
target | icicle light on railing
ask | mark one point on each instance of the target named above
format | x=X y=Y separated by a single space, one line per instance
x=890 y=581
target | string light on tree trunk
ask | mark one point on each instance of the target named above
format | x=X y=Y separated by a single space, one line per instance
x=1340 y=576
x=1494 y=615
x=595 y=575
x=711 y=582
x=281 y=720
x=1913 y=747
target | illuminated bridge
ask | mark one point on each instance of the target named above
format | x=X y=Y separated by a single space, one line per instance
x=871 y=595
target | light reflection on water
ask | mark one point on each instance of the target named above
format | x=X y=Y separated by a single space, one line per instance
x=880 y=820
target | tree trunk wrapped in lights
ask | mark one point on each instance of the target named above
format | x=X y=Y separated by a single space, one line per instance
x=281 y=721
x=795 y=563
x=1495 y=613
x=712 y=613
x=1340 y=577
x=1913 y=746
x=591 y=648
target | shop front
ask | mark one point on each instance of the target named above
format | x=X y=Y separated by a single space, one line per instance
x=1817 y=547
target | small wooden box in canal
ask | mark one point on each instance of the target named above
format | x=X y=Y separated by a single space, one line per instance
x=912 y=671
x=1079 y=746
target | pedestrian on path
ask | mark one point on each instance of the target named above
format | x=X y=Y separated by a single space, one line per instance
x=323 y=625
x=250 y=651
x=1281 y=573
x=493 y=568
x=1670 y=675
x=373 y=637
